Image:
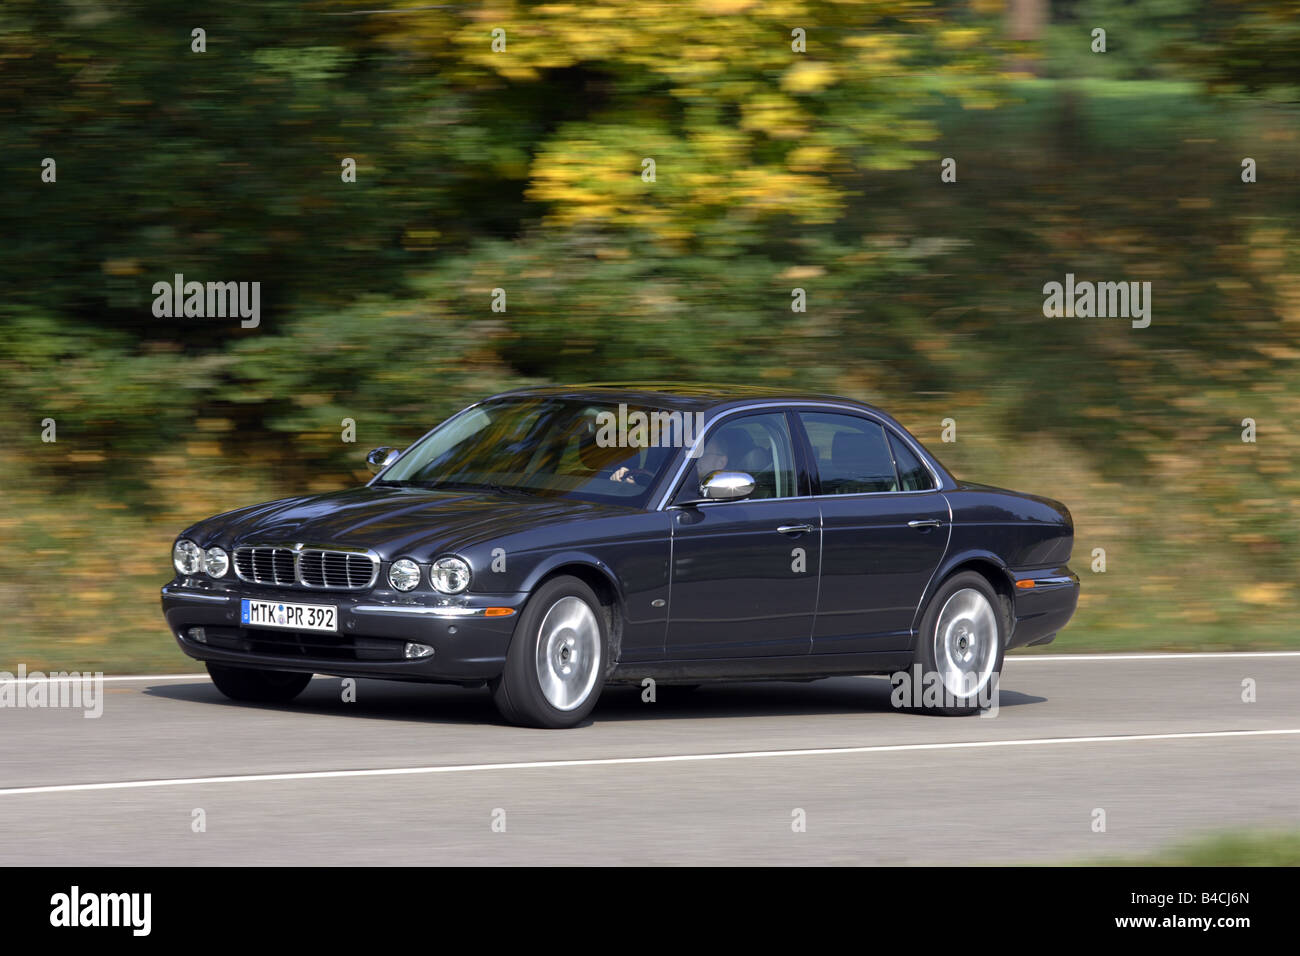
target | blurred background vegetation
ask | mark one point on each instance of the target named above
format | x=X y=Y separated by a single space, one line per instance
x=774 y=170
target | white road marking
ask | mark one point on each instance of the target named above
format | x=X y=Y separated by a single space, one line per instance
x=615 y=761
x=85 y=677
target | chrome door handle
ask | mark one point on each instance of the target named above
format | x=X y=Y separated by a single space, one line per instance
x=794 y=528
x=925 y=523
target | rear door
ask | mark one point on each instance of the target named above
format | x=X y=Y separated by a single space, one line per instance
x=883 y=533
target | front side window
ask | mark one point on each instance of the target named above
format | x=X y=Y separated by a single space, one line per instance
x=536 y=445
x=759 y=445
x=852 y=453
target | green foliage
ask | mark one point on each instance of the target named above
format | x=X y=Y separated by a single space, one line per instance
x=1140 y=38
x=1249 y=46
x=1235 y=848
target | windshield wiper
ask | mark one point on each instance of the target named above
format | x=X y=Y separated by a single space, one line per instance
x=479 y=486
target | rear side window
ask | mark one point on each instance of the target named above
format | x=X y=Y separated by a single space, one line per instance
x=912 y=474
x=852 y=454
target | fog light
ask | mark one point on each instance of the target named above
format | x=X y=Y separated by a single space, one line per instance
x=197 y=635
x=416 y=651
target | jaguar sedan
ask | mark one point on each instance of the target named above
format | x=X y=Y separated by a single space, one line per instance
x=549 y=542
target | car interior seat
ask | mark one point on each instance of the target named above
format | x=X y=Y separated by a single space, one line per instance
x=857 y=465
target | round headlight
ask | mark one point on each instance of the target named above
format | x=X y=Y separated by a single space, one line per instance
x=404 y=574
x=216 y=562
x=449 y=575
x=187 y=557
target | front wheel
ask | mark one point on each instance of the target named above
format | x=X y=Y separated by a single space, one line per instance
x=258 y=686
x=960 y=646
x=555 y=667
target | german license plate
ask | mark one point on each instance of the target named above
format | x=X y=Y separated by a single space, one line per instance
x=296 y=617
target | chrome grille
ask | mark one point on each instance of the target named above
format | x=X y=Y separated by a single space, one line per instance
x=345 y=570
x=265 y=565
x=307 y=568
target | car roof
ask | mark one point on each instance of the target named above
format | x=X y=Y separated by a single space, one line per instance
x=692 y=396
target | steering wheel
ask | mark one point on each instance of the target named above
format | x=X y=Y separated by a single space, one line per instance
x=630 y=476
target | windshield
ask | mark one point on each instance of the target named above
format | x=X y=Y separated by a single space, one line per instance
x=543 y=446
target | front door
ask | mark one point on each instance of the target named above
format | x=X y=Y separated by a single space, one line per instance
x=744 y=573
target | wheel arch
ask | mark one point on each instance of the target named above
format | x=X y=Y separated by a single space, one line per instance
x=989 y=566
x=597 y=576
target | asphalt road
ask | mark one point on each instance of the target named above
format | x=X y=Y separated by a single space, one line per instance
x=1164 y=745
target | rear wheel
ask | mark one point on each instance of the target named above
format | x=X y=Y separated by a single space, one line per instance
x=960 y=644
x=259 y=686
x=555 y=667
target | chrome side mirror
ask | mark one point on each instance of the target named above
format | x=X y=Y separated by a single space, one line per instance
x=727 y=486
x=381 y=458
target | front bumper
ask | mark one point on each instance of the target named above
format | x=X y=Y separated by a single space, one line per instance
x=373 y=629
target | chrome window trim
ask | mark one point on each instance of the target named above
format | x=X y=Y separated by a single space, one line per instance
x=298 y=548
x=870 y=494
x=794 y=406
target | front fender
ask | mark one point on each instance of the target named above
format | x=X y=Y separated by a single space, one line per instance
x=560 y=559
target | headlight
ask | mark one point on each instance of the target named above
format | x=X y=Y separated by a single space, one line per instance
x=404 y=574
x=187 y=557
x=449 y=575
x=216 y=562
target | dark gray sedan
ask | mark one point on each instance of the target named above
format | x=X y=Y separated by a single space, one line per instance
x=548 y=542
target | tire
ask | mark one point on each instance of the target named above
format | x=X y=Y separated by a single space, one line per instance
x=257 y=686
x=962 y=639
x=555 y=668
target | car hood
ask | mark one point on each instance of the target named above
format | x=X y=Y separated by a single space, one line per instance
x=391 y=521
